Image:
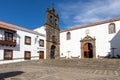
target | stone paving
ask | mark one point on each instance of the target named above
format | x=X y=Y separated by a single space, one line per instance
x=58 y=73
x=44 y=72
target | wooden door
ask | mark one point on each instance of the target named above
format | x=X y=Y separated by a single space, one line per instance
x=85 y=48
x=88 y=50
x=41 y=55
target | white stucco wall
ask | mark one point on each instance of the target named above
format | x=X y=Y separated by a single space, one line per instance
x=43 y=31
x=18 y=50
x=104 y=41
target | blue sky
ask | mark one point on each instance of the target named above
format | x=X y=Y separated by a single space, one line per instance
x=31 y=13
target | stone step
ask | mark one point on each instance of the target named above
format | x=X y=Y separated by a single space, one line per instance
x=84 y=63
x=112 y=64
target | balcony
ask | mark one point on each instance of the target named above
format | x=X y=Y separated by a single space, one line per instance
x=7 y=42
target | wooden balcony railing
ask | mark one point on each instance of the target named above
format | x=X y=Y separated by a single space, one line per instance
x=7 y=42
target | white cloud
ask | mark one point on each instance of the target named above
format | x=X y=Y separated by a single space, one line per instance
x=80 y=13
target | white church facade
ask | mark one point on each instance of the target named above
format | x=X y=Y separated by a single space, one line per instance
x=101 y=39
x=91 y=41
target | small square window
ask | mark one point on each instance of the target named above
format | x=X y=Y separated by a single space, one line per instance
x=41 y=43
x=8 y=54
x=27 y=40
x=27 y=55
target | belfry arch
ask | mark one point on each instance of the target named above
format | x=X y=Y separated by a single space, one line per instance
x=88 y=47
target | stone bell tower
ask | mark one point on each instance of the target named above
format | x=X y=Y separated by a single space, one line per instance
x=52 y=34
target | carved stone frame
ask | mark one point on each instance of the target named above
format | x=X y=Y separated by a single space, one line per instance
x=88 y=39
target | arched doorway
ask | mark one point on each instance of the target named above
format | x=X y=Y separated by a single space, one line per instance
x=52 y=52
x=88 y=47
x=88 y=50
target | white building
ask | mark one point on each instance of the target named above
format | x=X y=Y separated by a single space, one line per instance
x=100 y=39
x=20 y=44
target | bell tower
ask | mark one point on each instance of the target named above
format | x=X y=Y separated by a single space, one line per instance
x=52 y=34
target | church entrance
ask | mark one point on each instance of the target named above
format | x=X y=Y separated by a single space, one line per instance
x=88 y=47
x=88 y=50
x=52 y=52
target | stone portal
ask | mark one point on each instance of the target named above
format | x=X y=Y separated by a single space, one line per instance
x=88 y=47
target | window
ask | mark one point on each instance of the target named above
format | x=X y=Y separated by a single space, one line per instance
x=51 y=19
x=8 y=36
x=27 y=55
x=68 y=35
x=41 y=43
x=8 y=54
x=111 y=28
x=27 y=40
x=56 y=22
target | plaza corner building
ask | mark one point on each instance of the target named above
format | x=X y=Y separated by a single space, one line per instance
x=19 y=44
x=101 y=39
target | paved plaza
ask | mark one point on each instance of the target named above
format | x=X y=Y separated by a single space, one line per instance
x=44 y=72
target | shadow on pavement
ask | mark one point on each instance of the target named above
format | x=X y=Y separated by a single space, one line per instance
x=10 y=74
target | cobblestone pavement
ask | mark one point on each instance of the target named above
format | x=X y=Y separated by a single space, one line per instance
x=38 y=72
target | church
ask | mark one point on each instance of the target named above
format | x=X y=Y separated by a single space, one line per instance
x=97 y=40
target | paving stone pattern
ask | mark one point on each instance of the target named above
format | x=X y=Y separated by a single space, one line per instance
x=62 y=70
